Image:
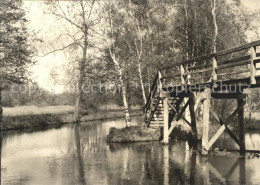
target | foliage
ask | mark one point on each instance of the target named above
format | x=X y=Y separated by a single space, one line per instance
x=15 y=49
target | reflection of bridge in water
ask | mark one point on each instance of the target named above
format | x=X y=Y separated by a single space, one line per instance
x=152 y=163
x=193 y=83
x=200 y=170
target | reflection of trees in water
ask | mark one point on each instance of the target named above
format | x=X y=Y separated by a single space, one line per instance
x=135 y=164
x=252 y=141
x=0 y=156
x=171 y=164
x=79 y=155
x=84 y=140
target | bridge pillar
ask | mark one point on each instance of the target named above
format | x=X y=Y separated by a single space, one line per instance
x=165 y=121
x=205 y=120
x=241 y=102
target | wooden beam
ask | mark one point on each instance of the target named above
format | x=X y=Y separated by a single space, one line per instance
x=193 y=116
x=230 y=133
x=183 y=110
x=223 y=127
x=179 y=115
x=193 y=123
x=165 y=121
x=171 y=129
x=240 y=103
x=153 y=111
x=205 y=120
x=226 y=95
x=220 y=53
x=214 y=71
x=252 y=65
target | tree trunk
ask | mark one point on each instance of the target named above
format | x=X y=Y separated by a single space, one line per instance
x=82 y=65
x=141 y=82
x=214 y=16
x=124 y=92
x=78 y=102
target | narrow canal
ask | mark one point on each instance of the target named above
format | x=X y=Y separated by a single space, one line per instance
x=80 y=155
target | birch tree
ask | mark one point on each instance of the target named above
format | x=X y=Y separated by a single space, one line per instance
x=214 y=17
x=138 y=38
x=112 y=31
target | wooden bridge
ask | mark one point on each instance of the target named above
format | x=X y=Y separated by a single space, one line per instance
x=193 y=83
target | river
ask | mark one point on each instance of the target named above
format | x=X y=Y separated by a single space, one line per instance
x=79 y=154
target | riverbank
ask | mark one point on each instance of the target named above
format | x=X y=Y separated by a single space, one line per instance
x=54 y=117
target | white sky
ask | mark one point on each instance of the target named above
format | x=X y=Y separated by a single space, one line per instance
x=40 y=22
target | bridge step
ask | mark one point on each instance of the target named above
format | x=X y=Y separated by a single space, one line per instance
x=257 y=59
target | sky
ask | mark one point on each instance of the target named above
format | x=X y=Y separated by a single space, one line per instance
x=40 y=22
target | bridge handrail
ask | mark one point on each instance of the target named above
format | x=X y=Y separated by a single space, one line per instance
x=220 y=53
x=154 y=85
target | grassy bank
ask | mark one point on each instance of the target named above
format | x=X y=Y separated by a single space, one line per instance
x=54 y=116
x=133 y=134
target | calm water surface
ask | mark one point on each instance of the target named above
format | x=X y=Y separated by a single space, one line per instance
x=80 y=155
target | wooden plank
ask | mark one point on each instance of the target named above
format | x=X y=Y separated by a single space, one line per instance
x=233 y=65
x=257 y=60
x=234 y=60
x=220 y=53
x=227 y=95
x=157 y=125
x=199 y=71
x=234 y=72
x=205 y=120
x=165 y=121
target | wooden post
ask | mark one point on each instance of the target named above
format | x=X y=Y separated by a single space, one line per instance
x=205 y=120
x=165 y=121
x=159 y=83
x=182 y=77
x=252 y=65
x=240 y=101
x=214 y=71
x=193 y=121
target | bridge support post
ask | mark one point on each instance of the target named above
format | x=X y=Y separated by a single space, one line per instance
x=193 y=121
x=205 y=120
x=240 y=102
x=165 y=121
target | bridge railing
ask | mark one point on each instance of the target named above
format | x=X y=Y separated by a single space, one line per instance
x=153 y=90
x=234 y=63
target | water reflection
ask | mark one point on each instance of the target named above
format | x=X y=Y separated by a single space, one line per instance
x=79 y=154
x=0 y=157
